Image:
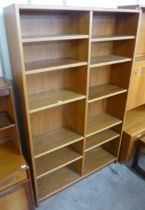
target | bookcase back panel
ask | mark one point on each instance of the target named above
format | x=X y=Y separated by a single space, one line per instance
x=113 y=24
x=121 y=48
x=100 y=75
x=109 y=106
x=50 y=23
x=69 y=115
x=123 y=71
x=55 y=50
x=68 y=78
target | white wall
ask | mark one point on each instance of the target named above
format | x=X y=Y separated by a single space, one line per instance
x=5 y=68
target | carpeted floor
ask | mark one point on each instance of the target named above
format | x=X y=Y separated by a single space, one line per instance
x=115 y=187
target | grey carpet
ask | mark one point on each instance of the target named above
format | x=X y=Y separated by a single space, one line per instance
x=115 y=187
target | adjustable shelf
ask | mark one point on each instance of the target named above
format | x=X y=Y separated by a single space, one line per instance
x=76 y=65
x=51 y=99
x=100 y=123
x=108 y=60
x=45 y=38
x=103 y=38
x=104 y=91
x=58 y=139
x=35 y=67
x=53 y=182
x=100 y=138
x=5 y=121
x=97 y=159
x=51 y=162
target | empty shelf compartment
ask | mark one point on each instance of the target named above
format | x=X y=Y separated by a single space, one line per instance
x=97 y=159
x=100 y=138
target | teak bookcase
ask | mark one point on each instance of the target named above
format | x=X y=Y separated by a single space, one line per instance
x=72 y=68
x=134 y=126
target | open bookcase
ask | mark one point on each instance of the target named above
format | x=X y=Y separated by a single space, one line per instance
x=72 y=68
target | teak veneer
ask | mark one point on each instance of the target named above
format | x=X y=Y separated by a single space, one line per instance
x=134 y=126
x=71 y=67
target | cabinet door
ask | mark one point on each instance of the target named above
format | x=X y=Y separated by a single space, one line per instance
x=18 y=197
x=137 y=87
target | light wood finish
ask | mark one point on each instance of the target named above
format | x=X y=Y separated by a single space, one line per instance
x=44 y=38
x=51 y=162
x=56 y=139
x=104 y=91
x=73 y=77
x=100 y=123
x=101 y=38
x=135 y=120
x=96 y=159
x=108 y=60
x=100 y=138
x=53 y=182
x=51 y=99
x=134 y=126
x=53 y=64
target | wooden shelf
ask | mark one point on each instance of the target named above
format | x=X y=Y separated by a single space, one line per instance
x=51 y=99
x=56 y=139
x=55 y=160
x=102 y=38
x=108 y=60
x=135 y=121
x=97 y=159
x=104 y=91
x=100 y=138
x=44 y=38
x=100 y=123
x=52 y=64
x=10 y=160
x=5 y=121
x=54 y=182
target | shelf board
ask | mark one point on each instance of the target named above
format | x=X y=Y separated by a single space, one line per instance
x=5 y=121
x=10 y=160
x=100 y=138
x=59 y=37
x=55 y=161
x=51 y=141
x=100 y=123
x=49 y=99
x=102 y=38
x=104 y=91
x=108 y=60
x=56 y=181
x=97 y=159
x=135 y=121
x=35 y=67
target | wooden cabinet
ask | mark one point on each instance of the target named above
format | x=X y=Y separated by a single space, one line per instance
x=134 y=126
x=17 y=197
x=72 y=69
x=15 y=183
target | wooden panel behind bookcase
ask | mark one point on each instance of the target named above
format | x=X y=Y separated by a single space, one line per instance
x=72 y=80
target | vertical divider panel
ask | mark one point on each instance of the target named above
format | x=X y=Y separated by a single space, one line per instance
x=88 y=79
